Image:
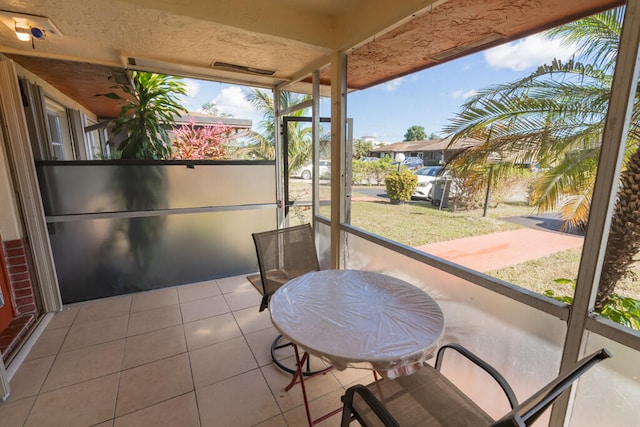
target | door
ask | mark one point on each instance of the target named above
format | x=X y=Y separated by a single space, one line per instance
x=297 y=157
x=6 y=308
x=303 y=191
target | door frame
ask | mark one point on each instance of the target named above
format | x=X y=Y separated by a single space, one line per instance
x=288 y=203
x=22 y=168
x=5 y=290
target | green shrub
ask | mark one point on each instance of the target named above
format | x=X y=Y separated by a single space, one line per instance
x=401 y=185
x=619 y=309
x=371 y=173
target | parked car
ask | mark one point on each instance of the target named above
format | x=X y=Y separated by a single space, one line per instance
x=306 y=172
x=411 y=163
x=426 y=176
x=369 y=159
x=452 y=188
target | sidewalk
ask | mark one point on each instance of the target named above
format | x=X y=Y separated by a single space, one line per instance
x=499 y=250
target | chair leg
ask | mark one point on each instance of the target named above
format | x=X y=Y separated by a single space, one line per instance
x=264 y=304
x=276 y=345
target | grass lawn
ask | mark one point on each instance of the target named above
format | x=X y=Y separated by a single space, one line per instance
x=418 y=223
x=540 y=274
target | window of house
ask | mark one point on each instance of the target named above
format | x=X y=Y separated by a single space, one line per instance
x=59 y=133
x=96 y=141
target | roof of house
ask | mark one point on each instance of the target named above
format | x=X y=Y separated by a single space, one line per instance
x=211 y=120
x=429 y=145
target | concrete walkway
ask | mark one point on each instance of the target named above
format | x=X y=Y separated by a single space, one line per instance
x=499 y=250
x=503 y=249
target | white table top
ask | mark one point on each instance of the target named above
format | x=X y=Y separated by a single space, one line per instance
x=348 y=317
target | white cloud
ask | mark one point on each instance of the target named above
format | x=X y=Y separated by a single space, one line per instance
x=528 y=52
x=193 y=87
x=461 y=94
x=469 y=93
x=393 y=85
x=231 y=100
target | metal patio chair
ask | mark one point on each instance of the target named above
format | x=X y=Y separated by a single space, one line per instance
x=428 y=399
x=284 y=254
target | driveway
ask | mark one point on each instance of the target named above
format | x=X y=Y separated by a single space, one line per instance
x=545 y=222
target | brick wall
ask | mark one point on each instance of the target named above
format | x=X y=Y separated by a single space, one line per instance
x=19 y=276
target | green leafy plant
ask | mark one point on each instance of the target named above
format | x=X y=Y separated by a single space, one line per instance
x=400 y=185
x=150 y=107
x=555 y=116
x=619 y=309
x=371 y=173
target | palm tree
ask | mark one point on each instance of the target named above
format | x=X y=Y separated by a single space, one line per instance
x=300 y=145
x=150 y=105
x=556 y=116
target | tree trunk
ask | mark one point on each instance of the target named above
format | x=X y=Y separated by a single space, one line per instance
x=624 y=234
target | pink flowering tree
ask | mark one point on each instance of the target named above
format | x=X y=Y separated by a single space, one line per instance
x=191 y=142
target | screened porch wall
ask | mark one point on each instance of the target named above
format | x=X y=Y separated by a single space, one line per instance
x=117 y=227
x=609 y=394
x=522 y=342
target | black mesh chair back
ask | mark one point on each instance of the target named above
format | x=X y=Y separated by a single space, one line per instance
x=283 y=255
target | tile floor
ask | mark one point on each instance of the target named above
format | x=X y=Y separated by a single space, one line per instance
x=193 y=355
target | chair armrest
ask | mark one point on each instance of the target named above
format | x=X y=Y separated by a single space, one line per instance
x=502 y=382
x=381 y=412
x=532 y=408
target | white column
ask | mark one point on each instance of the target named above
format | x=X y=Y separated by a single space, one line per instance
x=338 y=133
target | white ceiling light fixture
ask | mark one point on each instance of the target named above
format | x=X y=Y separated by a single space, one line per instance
x=29 y=27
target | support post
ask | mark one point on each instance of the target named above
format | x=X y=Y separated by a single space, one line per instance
x=338 y=132
x=486 y=197
x=614 y=138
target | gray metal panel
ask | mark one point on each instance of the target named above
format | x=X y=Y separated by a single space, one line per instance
x=112 y=256
x=117 y=228
x=71 y=188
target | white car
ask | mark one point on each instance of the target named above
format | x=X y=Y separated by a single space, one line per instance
x=426 y=176
x=306 y=172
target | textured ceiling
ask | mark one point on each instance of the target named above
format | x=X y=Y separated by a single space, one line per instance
x=385 y=39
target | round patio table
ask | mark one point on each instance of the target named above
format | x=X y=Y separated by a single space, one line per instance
x=348 y=317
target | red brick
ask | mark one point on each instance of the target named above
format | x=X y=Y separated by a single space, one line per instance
x=21 y=284
x=23 y=293
x=24 y=300
x=17 y=277
x=14 y=252
x=15 y=269
x=10 y=244
x=31 y=308
x=17 y=260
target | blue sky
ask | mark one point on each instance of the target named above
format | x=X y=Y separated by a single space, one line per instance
x=428 y=98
